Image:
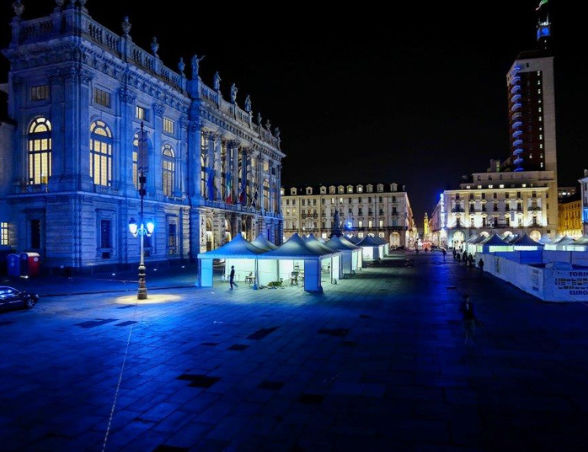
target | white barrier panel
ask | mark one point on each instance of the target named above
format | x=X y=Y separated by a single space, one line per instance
x=552 y=282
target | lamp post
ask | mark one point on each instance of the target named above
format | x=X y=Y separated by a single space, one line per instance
x=142 y=229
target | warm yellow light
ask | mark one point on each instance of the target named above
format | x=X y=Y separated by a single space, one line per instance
x=157 y=298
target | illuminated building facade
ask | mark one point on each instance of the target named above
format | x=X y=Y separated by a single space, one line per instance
x=382 y=210
x=570 y=218
x=78 y=95
x=503 y=203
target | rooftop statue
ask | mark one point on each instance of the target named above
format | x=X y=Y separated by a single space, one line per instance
x=196 y=64
x=233 y=93
x=248 y=104
x=216 y=81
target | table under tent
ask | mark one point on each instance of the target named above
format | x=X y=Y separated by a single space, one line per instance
x=370 y=248
x=472 y=243
x=332 y=270
x=493 y=244
x=351 y=258
x=296 y=261
x=238 y=253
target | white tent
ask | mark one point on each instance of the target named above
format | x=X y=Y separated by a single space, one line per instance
x=383 y=245
x=353 y=239
x=238 y=253
x=292 y=260
x=350 y=254
x=370 y=248
x=493 y=244
x=560 y=244
x=332 y=268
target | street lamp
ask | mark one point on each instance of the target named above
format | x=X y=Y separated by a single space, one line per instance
x=142 y=229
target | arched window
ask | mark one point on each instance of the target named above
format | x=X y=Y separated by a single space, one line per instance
x=168 y=168
x=39 y=151
x=135 y=160
x=100 y=153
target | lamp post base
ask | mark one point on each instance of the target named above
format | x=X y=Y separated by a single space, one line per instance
x=142 y=292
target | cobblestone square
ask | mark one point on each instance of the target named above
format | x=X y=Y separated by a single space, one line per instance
x=377 y=362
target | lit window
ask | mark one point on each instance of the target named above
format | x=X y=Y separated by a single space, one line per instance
x=4 y=234
x=39 y=151
x=168 y=126
x=102 y=97
x=100 y=153
x=360 y=223
x=141 y=113
x=370 y=223
x=168 y=168
x=40 y=92
x=135 y=160
x=381 y=223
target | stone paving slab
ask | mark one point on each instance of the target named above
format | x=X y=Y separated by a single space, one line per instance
x=376 y=362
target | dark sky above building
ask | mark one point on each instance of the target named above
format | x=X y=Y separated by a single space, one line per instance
x=416 y=95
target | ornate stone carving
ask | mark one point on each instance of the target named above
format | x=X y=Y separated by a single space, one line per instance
x=18 y=8
x=234 y=93
x=268 y=125
x=158 y=110
x=126 y=26
x=259 y=119
x=216 y=81
x=248 y=104
x=196 y=65
x=127 y=96
x=86 y=76
x=181 y=66
x=155 y=46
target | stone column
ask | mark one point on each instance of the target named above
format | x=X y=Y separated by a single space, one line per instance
x=243 y=186
x=154 y=177
x=182 y=159
x=78 y=162
x=235 y=171
x=210 y=167
x=127 y=108
x=193 y=165
x=217 y=168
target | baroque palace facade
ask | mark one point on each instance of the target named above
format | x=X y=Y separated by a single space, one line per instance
x=378 y=209
x=78 y=96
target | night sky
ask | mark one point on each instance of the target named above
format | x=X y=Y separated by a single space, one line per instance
x=415 y=96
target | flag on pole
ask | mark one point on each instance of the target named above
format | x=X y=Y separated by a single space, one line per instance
x=541 y=3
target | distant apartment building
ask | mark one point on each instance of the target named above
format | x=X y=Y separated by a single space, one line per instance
x=380 y=209
x=570 y=217
x=504 y=203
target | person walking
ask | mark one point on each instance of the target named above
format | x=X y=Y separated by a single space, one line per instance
x=469 y=320
x=444 y=253
x=232 y=277
x=481 y=265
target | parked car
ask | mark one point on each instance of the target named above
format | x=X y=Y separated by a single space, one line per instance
x=11 y=298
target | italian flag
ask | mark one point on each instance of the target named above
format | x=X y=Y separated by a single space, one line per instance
x=541 y=3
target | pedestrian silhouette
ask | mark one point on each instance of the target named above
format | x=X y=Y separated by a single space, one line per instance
x=469 y=320
x=232 y=277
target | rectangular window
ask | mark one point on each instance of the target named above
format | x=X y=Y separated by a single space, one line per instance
x=360 y=223
x=35 y=234
x=105 y=234
x=102 y=97
x=171 y=239
x=168 y=126
x=40 y=92
x=381 y=223
x=140 y=113
x=4 y=234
